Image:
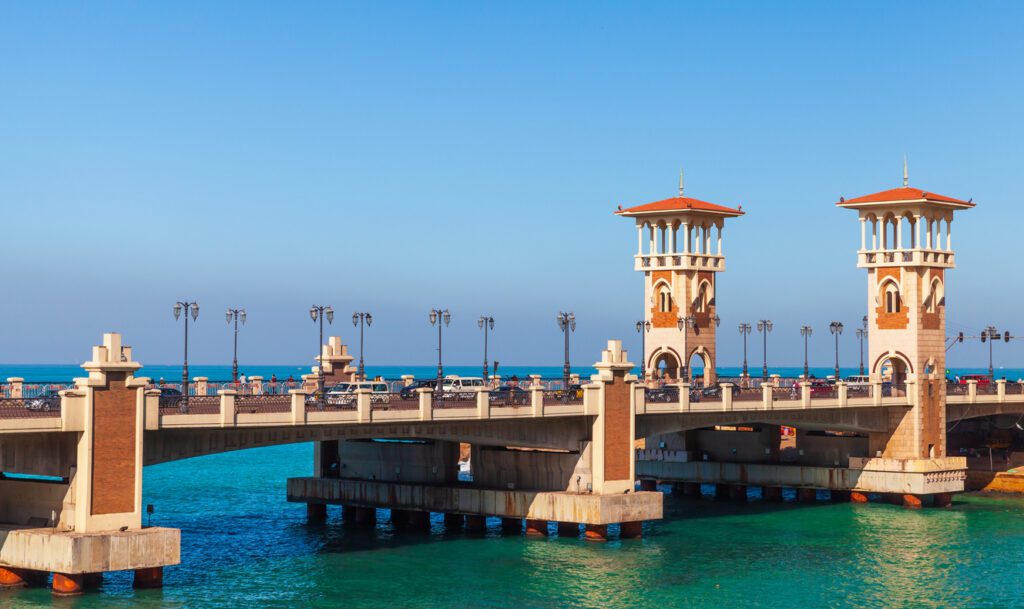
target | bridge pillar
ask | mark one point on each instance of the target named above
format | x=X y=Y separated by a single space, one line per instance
x=149 y=578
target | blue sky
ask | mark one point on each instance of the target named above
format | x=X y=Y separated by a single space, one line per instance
x=394 y=157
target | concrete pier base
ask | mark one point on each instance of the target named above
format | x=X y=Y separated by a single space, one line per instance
x=476 y=524
x=417 y=521
x=67 y=584
x=568 y=529
x=512 y=525
x=806 y=495
x=596 y=532
x=536 y=528
x=840 y=496
x=721 y=491
x=737 y=492
x=149 y=578
x=771 y=493
x=631 y=530
x=942 y=500
x=454 y=521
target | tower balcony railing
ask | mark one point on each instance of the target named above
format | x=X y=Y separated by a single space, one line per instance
x=680 y=261
x=915 y=256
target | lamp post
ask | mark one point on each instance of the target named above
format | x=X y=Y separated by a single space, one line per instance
x=235 y=315
x=836 y=328
x=439 y=317
x=567 y=324
x=764 y=326
x=361 y=319
x=192 y=307
x=319 y=312
x=643 y=327
x=862 y=333
x=486 y=323
x=806 y=331
x=992 y=335
x=684 y=324
x=745 y=329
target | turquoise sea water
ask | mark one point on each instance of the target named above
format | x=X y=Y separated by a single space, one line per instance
x=244 y=546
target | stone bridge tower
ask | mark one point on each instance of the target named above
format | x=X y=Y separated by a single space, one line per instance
x=680 y=262
x=906 y=248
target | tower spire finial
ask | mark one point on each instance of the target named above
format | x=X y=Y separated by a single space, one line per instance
x=680 y=181
x=906 y=179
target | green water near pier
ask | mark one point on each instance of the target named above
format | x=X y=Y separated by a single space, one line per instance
x=244 y=546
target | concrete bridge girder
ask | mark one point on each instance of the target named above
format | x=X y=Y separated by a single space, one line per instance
x=864 y=420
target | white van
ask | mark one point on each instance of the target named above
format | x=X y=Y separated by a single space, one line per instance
x=461 y=387
x=344 y=394
x=858 y=383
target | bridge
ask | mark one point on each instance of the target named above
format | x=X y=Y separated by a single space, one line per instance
x=71 y=493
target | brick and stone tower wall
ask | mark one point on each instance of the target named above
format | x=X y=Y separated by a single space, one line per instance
x=680 y=261
x=906 y=250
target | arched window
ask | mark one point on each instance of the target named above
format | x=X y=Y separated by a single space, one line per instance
x=934 y=296
x=664 y=299
x=700 y=304
x=892 y=297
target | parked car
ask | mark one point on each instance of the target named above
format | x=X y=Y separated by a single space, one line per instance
x=821 y=389
x=983 y=379
x=344 y=394
x=663 y=394
x=575 y=393
x=715 y=391
x=507 y=394
x=47 y=401
x=409 y=392
x=171 y=397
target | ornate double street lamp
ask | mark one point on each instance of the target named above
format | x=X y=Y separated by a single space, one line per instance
x=991 y=335
x=836 y=328
x=806 y=331
x=192 y=307
x=643 y=327
x=862 y=333
x=684 y=324
x=235 y=315
x=745 y=329
x=439 y=317
x=485 y=323
x=319 y=312
x=764 y=326
x=567 y=324
x=359 y=319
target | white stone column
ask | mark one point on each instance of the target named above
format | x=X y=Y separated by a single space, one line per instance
x=671 y=239
x=686 y=237
x=874 y=234
x=650 y=250
x=949 y=236
x=718 y=248
x=863 y=233
x=639 y=239
x=928 y=237
x=899 y=234
x=917 y=232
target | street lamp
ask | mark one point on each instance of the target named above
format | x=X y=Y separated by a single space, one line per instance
x=764 y=326
x=194 y=308
x=862 y=333
x=683 y=324
x=440 y=317
x=485 y=323
x=836 y=328
x=643 y=327
x=235 y=315
x=319 y=312
x=992 y=335
x=805 y=331
x=567 y=324
x=745 y=329
x=359 y=319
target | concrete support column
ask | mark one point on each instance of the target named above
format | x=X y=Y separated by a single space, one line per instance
x=426 y=403
x=569 y=530
x=686 y=238
x=201 y=384
x=631 y=530
x=721 y=491
x=149 y=578
x=512 y=525
x=972 y=390
x=737 y=492
x=639 y=240
x=316 y=512
x=842 y=392
x=949 y=235
x=805 y=394
x=596 y=532
x=454 y=521
x=840 y=496
x=417 y=520
x=942 y=500
x=476 y=523
x=771 y=493
x=806 y=495
x=726 y=396
x=536 y=528
x=863 y=233
x=256 y=385
x=227 y=407
x=1001 y=390
x=17 y=387
x=767 y=396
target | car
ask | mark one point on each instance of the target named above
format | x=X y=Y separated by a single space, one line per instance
x=409 y=391
x=171 y=397
x=858 y=383
x=715 y=391
x=509 y=395
x=461 y=388
x=982 y=379
x=45 y=402
x=575 y=393
x=821 y=389
x=663 y=394
x=344 y=394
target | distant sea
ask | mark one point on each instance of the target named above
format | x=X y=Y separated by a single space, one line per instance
x=171 y=373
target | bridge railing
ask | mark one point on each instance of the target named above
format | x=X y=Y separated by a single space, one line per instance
x=24 y=408
x=560 y=396
x=253 y=404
